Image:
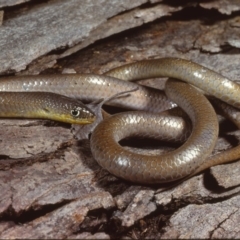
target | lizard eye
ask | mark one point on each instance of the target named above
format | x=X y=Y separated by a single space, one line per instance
x=75 y=112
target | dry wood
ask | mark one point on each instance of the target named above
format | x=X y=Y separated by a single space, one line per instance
x=50 y=185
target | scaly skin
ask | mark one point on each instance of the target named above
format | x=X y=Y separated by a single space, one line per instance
x=189 y=158
x=44 y=105
x=167 y=167
x=90 y=87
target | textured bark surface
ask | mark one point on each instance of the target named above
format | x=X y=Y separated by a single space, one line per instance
x=50 y=185
x=29 y=38
x=7 y=3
